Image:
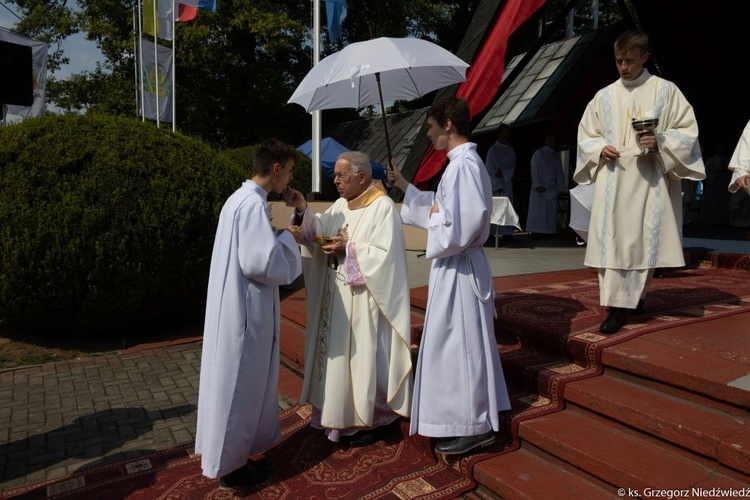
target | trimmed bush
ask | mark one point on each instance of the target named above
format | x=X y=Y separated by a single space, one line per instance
x=302 y=180
x=106 y=223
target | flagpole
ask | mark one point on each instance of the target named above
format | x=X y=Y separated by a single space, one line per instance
x=156 y=65
x=135 y=59
x=316 y=119
x=175 y=7
x=140 y=60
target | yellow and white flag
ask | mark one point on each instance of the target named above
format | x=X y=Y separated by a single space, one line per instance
x=157 y=18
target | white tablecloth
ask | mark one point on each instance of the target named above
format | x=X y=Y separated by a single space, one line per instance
x=581 y=200
x=503 y=213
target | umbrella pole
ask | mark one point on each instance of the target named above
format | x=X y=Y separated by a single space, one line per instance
x=385 y=126
x=385 y=123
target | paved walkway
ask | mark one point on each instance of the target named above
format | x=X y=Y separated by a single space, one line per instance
x=67 y=415
x=59 y=417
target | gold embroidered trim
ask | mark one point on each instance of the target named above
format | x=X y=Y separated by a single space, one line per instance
x=371 y=194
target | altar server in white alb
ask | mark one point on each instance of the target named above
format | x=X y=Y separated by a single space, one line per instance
x=358 y=370
x=501 y=166
x=636 y=218
x=459 y=387
x=548 y=181
x=739 y=164
x=238 y=411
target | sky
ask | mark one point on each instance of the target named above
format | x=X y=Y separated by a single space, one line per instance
x=82 y=53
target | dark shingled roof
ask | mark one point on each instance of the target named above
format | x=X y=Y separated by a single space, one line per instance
x=368 y=135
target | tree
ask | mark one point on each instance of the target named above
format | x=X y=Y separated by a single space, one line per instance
x=51 y=21
x=236 y=68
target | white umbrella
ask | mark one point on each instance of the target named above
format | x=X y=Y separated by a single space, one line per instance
x=581 y=200
x=366 y=73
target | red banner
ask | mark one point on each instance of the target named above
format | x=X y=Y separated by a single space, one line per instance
x=483 y=77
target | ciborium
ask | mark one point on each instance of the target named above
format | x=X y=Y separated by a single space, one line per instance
x=645 y=125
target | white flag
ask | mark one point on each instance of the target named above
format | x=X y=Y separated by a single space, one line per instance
x=38 y=67
x=157 y=80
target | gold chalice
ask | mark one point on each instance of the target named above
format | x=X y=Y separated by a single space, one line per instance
x=324 y=240
x=646 y=125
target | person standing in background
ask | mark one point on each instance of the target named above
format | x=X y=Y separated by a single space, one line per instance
x=715 y=206
x=501 y=165
x=548 y=181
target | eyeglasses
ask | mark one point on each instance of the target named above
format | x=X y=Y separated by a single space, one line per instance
x=343 y=175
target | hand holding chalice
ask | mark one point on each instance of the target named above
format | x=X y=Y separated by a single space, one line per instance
x=644 y=126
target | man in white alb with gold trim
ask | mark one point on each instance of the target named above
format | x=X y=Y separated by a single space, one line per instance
x=636 y=219
x=358 y=340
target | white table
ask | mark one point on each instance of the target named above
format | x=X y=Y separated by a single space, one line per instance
x=503 y=214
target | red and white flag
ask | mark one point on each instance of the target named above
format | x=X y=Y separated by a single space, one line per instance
x=187 y=10
x=157 y=15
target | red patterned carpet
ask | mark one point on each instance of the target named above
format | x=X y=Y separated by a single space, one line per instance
x=308 y=465
x=548 y=336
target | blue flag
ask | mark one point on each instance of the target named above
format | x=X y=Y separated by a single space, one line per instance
x=209 y=5
x=336 y=12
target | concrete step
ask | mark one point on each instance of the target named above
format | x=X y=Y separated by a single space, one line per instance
x=713 y=363
x=530 y=473
x=530 y=369
x=623 y=457
x=668 y=413
x=292 y=345
x=290 y=386
x=718 y=432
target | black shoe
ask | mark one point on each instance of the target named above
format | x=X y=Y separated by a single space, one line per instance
x=247 y=475
x=615 y=320
x=641 y=308
x=460 y=445
x=366 y=437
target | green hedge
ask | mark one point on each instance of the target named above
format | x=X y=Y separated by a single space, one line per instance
x=106 y=223
x=302 y=180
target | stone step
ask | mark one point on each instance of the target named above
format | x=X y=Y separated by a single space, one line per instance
x=623 y=457
x=719 y=432
x=290 y=386
x=693 y=359
x=292 y=344
x=669 y=412
x=530 y=473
